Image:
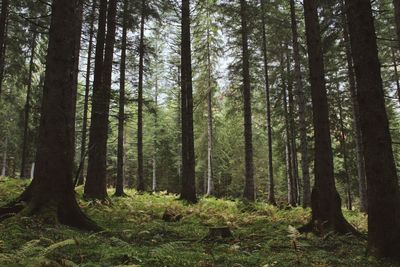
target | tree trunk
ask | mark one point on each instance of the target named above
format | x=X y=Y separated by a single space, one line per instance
x=51 y=193
x=291 y=196
x=383 y=190
x=3 y=35
x=356 y=118
x=271 y=183
x=301 y=100
x=249 y=189
x=210 y=181
x=188 y=190
x=154 y=184
x=96 y=184
x=343 y=148
x=119 y=190
x=140 y=181
x=4 y=167
x=292 y=135
x=27 y=106
x=87 y=92
x=325 y=200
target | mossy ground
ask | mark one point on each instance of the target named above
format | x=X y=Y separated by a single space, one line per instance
x=136 y=235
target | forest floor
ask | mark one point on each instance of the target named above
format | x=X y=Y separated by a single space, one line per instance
x=137 y=235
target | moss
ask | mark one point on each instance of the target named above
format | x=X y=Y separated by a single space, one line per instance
x=137 y=236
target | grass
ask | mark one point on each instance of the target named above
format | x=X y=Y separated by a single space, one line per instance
x=136 y=235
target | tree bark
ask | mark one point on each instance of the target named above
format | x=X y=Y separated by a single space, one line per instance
x=96 y=184
x=81 y=178
x=301 y=100
x=343 y=148
x=210 y=180
x=188 y=190
x=27 y=106
x=140 y=181
x=119 y=190
x=291 y=195
x=51 y=193
x=382 y=188
x=362 y=183
x=325 y=200
x=3 y=35
x=396 y=74
x=271 y=183
x=249 y=189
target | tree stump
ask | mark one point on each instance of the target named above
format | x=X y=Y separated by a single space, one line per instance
x=219 y=232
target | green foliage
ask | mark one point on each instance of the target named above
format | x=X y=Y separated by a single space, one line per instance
x=136 y=235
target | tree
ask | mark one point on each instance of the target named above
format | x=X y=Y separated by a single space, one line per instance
x=140 y=181
x=356 y=116
x=27 y=105
x=188 y=190
x=95 y=186
x=271 y=183
x=5 y=4
x=119 y=190
x=87 y=92
x=249 y=189
x=382 y=182
x=51 y=193
x=325 y=200
x=396 y=4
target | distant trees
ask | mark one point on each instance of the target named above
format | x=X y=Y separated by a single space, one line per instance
x=5 y=4
x=380 y=168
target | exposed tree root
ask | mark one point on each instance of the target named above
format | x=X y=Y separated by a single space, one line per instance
x=66 y=211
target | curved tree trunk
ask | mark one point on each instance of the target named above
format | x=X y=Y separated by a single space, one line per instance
x=383 y=190
x=119 y=190
x=51 y=193
x=96 y=183
x=249 y=189
x=188 y=190
x=325 y=200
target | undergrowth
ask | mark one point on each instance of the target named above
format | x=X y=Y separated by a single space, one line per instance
x=136 y=235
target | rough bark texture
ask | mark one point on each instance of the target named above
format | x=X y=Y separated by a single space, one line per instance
x=5 y=5
x=51 y=193
x=325 y=200
x=96 y=186
x=119 y=187
x=27 y=107
x=188 y=190
x=301 y=100
x=362 y=183
x=383 y=190
x=271 y=183
x=81 y=177
x=140 y=177
x=249 y=189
